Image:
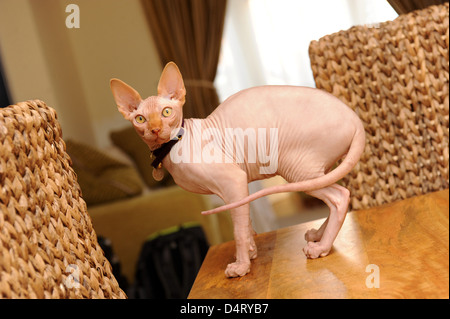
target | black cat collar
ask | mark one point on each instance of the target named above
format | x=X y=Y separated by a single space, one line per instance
x=161 y=152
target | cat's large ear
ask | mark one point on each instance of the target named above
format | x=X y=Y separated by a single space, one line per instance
x=171 y=83
x=127 y=98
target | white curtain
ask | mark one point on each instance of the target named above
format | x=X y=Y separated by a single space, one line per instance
x=266 y=41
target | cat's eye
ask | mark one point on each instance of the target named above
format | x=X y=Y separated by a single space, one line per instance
x=140 y=119
x=167 y=111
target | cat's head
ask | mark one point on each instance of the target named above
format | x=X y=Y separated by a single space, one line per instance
x=157 y=118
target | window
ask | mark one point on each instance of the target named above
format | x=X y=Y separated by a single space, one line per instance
x=266 y=41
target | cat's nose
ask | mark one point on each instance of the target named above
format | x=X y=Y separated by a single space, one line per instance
x=156 y=130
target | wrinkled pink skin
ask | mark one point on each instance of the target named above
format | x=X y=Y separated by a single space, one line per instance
x=315 y=130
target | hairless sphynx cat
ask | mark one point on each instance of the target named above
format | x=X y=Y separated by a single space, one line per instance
x=296 y=132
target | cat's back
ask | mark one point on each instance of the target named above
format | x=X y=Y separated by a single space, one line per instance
x=276 y=104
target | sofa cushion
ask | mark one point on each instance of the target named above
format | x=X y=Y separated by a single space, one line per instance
x=101 y=177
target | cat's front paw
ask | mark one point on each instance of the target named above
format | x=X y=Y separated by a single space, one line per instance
x=237 y=269
x=253 y=250
x=315 y=250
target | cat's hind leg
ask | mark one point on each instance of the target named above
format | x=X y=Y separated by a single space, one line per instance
x=320 y=241
x=316 y=234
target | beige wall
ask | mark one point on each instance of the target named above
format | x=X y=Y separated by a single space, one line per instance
x=70 y=69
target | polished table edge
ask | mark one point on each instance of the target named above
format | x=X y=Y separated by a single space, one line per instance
x=357 y=222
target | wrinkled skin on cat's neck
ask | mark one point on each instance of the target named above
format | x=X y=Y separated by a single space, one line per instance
x=313 y=130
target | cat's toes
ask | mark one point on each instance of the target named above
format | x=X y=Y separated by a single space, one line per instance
x=315 y=250
x=252 y=251
x=237 y=269
x=313 y=235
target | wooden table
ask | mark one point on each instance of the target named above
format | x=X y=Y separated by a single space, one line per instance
x=403 y=246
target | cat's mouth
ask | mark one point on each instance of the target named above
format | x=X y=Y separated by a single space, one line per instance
x=161 y=139
x=155 y=140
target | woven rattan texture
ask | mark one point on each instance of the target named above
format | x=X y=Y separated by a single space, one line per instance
x=395 y=76
x=48 y=248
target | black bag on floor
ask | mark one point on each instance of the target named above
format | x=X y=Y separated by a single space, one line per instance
x=169 y=263
x=106 y=245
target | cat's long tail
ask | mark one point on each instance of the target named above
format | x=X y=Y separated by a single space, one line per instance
x=350 y=160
